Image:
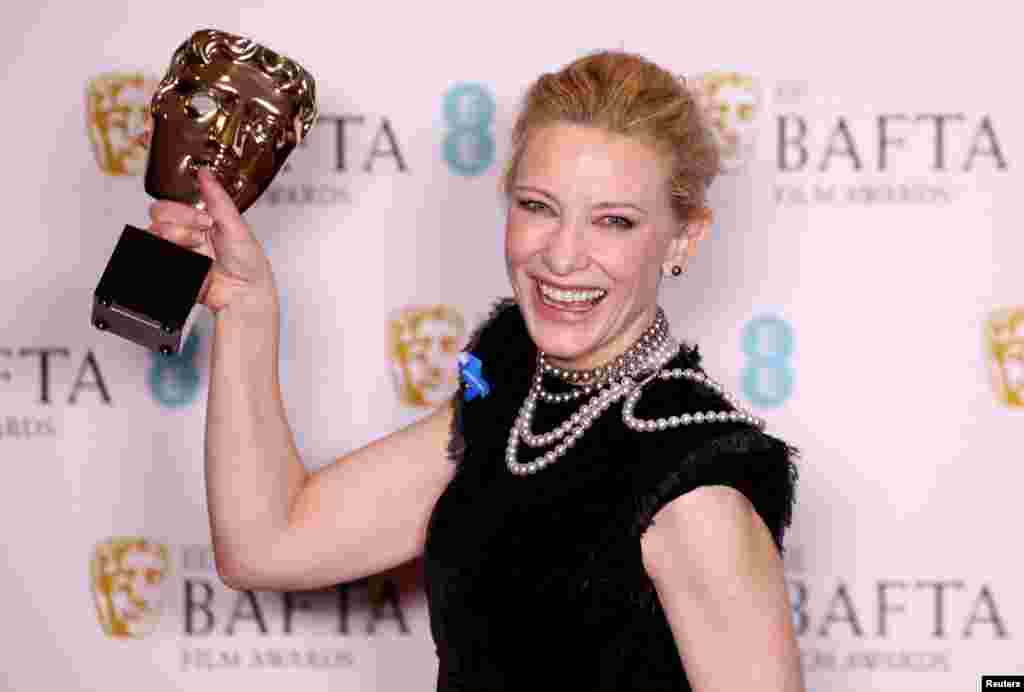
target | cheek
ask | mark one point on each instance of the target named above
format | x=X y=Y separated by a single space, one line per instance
x=178 y=136
x=630 y=262
x=167 y=153
x=520 y=243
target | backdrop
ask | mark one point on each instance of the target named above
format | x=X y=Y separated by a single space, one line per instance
x=861 y=291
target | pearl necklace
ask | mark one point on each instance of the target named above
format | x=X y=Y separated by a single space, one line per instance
x=643 y=360
x=626 y=364
x=738 y=414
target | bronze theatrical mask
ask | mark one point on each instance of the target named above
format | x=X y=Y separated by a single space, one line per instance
x=228 y=103
x=233 y=105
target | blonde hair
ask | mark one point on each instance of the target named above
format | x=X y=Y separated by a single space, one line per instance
x=628 y=95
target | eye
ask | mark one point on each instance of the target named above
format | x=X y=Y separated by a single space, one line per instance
x=616 y=222
x=201 y=105
x=186 y=86
x=532 y=205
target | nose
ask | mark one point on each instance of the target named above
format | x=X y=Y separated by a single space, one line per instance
x=566 y=250
x=227 y=130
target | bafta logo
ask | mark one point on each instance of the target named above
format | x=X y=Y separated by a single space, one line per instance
x=730 y=103
x=119 y=121
x=126 y=576
x=1005 y=335
x=423 y=347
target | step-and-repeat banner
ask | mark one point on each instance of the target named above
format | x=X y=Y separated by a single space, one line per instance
x=861 y=290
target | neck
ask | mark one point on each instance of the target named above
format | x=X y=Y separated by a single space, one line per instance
x=612 y=350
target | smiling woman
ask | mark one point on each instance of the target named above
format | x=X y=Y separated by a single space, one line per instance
x=639 y=524
x=613 y=519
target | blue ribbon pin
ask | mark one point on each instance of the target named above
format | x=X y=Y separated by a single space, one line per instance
x=469 y=368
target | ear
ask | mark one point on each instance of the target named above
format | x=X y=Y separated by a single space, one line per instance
x=684 y=245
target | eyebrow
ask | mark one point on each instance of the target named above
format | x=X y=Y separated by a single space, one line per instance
x=599 y=205
x=619 y=205
x=218 y=85
x=267 y=106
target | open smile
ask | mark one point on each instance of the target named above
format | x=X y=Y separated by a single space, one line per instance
x=573 y=299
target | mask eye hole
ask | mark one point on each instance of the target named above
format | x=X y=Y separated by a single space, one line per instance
x=201 y=105
x=260 y=131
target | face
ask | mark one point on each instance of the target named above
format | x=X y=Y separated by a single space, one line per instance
x=229 y=116
x=119 y=121
x=128 y=588
x=425 y=358
x=730 y=102
x=1006 y=342
x=590 y=231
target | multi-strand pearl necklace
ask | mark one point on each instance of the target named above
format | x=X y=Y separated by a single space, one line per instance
x=625 y=377
x=628 y=364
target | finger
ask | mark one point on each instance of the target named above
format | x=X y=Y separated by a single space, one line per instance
x=183 y=236
x=221 y=207
x=165 y=211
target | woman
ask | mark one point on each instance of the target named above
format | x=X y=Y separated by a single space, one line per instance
x=612 y=519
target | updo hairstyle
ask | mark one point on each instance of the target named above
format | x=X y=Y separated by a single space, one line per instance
x=627 y=95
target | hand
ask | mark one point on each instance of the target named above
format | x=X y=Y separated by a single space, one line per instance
x=241 y=273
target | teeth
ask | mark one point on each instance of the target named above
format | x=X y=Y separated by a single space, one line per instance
x=580 y=296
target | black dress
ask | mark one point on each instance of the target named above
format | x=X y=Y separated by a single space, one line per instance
x=537 y=582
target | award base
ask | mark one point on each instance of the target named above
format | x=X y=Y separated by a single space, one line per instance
x=148 y=290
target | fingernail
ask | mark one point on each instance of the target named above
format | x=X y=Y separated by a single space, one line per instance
x=205 y=220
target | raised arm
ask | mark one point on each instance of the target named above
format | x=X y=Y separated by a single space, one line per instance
x=275 y=526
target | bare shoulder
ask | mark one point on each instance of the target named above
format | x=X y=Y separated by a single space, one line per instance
x=708 y=534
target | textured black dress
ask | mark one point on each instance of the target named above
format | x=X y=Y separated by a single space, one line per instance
x=537 y=582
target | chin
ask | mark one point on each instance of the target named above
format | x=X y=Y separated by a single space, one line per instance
x=565 y=334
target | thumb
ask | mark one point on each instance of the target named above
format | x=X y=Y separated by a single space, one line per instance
x=221 y=207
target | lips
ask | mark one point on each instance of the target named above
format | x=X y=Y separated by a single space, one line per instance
x=576 y=299
x=224 y=166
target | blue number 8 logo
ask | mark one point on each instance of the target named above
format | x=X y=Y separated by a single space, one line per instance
x=768 y=345
x=469 y=146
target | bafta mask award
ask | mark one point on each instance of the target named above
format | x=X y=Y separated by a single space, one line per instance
x=228 y=103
